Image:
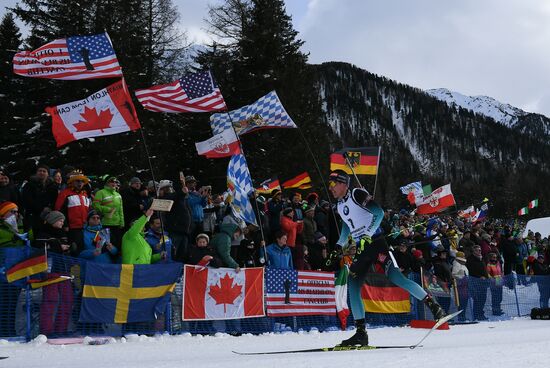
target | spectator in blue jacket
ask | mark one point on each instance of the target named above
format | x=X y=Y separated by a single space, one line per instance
x=97 y=245
x=157 y=239
x=197 y=202
x=278 y=254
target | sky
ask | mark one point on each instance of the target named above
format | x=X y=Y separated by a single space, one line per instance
x=498 y=48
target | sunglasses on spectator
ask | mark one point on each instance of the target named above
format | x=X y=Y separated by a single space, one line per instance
x=14 y=211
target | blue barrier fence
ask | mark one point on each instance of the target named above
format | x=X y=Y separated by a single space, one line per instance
x=54 y=310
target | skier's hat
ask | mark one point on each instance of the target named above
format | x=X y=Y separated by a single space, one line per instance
x=339 y=176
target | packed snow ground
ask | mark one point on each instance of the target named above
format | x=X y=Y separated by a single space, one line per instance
x=516 y=343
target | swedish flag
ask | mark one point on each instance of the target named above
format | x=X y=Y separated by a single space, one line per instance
x=122 y=293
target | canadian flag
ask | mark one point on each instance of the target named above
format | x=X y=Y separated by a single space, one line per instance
x=222 y=293
x=224 y=144
x=440 y=199
x=105 y=112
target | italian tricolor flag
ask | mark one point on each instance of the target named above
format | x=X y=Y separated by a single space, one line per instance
x=523 y=211
x=341 y=294
x=534 y=203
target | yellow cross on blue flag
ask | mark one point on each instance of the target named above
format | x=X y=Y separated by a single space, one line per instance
x=122 y=293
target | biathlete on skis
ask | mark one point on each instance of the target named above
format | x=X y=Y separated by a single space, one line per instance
x=361 y=218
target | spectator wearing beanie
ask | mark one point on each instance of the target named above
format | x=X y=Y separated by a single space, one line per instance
x=202 y=253
x=10 y=225
x=108 y=203
x=310 y=226
x=274 y=208
x=52 y=235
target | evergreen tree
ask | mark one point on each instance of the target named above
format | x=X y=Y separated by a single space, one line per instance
x=260 y=52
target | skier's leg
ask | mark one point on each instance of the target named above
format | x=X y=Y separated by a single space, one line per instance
x=358 y=311
x=395 y=276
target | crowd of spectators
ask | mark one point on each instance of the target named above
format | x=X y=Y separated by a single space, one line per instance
x=107 y=220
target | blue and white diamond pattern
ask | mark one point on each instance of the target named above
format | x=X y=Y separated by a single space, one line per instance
x=269 y=108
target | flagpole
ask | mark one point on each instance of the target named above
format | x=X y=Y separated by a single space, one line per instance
x=152 y=172
x=323 y=182
x=258 y=217
x=377 y=168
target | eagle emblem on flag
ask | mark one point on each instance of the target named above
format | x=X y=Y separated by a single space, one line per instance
x=354 y=158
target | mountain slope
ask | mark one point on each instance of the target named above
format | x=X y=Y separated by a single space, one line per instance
x=424 y=138
x=534 y=124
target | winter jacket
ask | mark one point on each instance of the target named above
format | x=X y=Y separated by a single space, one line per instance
x=51 y=238
x=108 y=202
x=131 y=199
x=221 y=242
x=156 y=243
x=442 y=270
x=476 y=267
x=106 y=256
x=279 y=257
x=178 y=220
x=135 y=249
x=459 y=270
x=75 y=206
x=274 y=209
x=310 y=227
x=196 y=203
x=8 y=237
x=37 y=195
x=291 y=228
x=196 y=254
x=9 y=193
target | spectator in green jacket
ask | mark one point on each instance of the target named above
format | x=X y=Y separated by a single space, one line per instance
x=135 y=249
x=108 y=203
x=222 y=244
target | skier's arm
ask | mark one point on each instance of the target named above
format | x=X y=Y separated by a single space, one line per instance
x=344 y=234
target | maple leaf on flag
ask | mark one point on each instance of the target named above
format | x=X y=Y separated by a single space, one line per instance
x=93 y=120
x=225 y=293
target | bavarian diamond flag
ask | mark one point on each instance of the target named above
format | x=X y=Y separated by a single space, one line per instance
x=121 y=293
x=267 y=112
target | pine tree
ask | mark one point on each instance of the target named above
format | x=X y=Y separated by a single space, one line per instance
x=260 y=53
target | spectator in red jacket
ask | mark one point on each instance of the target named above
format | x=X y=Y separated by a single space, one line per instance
x=74 y=203
x=292 y=228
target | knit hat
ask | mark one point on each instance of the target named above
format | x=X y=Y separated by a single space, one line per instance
x=287 y=210
x=164 y=184
x=318 y=235
x=297 y=195
x=190 y=178
x=92 y=213
x=54 y=216
x=460 y=256
x=135 y=180
x=276 y=192
x=6 y=207
x=202 y=235
x=417 y=254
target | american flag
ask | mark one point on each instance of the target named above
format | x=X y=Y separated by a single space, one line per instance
x=77 y=57
x=195 y=92
x=299 y=293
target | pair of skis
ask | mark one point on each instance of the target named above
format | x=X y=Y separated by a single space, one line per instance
x=352 y=348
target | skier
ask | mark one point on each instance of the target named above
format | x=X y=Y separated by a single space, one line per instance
x=361 y=227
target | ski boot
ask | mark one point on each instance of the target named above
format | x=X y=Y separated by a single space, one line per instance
x=360 y=338
x=435 y=308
